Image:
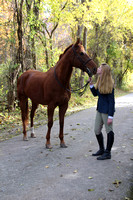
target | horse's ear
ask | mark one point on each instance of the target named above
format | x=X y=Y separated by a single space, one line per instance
x=60 y=56
x=78 y=42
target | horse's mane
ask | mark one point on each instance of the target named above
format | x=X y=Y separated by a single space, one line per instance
x=65 y=51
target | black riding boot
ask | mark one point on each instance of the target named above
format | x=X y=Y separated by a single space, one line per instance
x=101 y=145
x=110 y=141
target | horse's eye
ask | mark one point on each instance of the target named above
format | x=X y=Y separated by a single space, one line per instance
x=81 y=53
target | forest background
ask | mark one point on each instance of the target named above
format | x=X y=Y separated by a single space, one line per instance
x=33 y=33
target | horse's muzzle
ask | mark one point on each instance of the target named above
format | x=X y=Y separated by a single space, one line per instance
x=89 y=72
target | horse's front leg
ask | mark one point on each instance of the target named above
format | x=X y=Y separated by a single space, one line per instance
x=50 y=111
x=62 y=111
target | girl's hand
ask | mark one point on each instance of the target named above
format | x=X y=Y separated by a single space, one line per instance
x=109 y=121
x=90 y=81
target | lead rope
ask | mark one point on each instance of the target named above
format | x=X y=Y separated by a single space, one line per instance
x=72 y=90
x=85 y=87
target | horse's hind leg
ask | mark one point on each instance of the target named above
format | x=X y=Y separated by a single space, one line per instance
x=50 y=112
x=32 y=114
x=62 y=111
x=24 y=114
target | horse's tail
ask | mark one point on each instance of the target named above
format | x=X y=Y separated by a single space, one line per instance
x=20 y=88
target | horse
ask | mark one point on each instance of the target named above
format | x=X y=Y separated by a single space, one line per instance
x=52 y=88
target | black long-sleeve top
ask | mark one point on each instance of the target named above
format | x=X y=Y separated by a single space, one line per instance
x=106 y=102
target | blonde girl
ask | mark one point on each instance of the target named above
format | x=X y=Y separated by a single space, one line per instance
x=104 y=89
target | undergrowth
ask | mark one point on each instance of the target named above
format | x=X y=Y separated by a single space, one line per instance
x=11 y=124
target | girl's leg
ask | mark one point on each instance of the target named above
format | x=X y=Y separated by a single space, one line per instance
x=98 y=133
x=98 y=123
x=108 y=128
x=110 y=139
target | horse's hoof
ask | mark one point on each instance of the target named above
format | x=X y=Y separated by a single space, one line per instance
x=63 y=145
x=25 y=138
x=33 y=135
x=48 y=146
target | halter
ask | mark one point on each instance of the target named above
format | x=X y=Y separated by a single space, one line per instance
x=87 y=69
x=81 y=60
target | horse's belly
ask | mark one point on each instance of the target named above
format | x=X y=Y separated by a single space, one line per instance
x=45 y=92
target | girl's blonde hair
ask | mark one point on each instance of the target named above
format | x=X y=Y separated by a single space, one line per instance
x=105 y=82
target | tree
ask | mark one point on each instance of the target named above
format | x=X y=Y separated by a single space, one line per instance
x=32 y=8
x=54 y=10
x=13 y=58
x=18 y=9
x=110 y=28
x=35 y=32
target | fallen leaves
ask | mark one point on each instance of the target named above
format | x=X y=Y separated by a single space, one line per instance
x=126 y=198
x=111 y=190
x=75 y=171
x=90 y=177
x=102 y=199
x=117 y=183
x=68 y=157
x=73 y=129
x=72 y=137
x=51 y=150
x=90 y=190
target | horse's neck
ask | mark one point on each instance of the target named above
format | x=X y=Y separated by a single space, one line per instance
x=64 y=71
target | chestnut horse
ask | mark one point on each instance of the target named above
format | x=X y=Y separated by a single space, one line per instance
x=52 y=88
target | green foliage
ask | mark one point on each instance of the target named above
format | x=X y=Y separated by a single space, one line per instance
x=127 y=84
x=6 y=82
x=11 y=125
x=3 y=85
x=52 y=26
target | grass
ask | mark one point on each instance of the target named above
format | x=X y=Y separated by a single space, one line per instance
x=11 y=125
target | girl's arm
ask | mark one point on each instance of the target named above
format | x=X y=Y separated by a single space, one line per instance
x=92 y=88
x=111 y=107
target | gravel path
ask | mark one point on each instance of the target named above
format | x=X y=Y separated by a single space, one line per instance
x=28 y=171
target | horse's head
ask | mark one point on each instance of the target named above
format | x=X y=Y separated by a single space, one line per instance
x=82 y=60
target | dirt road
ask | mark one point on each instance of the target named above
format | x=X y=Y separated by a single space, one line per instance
x=28 y=171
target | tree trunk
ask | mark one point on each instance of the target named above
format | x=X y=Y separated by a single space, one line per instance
x=20 y=34
x=85 y=46
x=17 y=59
x=12 y=78
x=79 y=31
x=46 y=54
x=31 y=41
x=96 y=48
x=36 y=15
x=33 y=53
